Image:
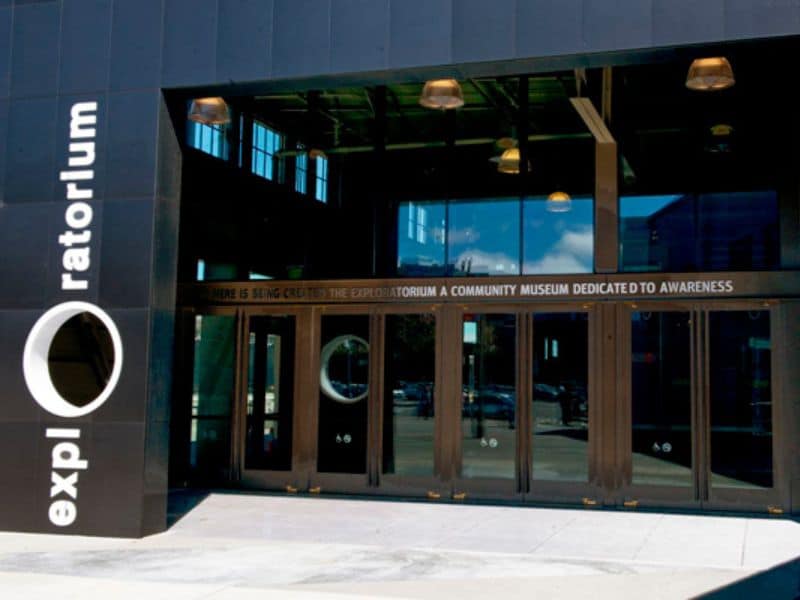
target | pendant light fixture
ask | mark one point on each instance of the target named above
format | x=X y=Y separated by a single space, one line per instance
x=209 y=111
x=443 y=94
x=559 y=202
x=509 y=162
x=710 y=74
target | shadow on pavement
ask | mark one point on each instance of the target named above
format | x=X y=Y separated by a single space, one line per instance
x=781 y=582
x=181 y=501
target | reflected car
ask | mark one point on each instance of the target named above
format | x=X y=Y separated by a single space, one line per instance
x=492 y=402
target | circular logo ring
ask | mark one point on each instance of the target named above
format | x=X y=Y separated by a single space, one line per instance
x=324 y=359
x=37 y=349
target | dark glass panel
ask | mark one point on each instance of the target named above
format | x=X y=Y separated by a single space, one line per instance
x=558 y=242
x=81 y=359
x=409 y=370
x=343 y=399
x=212 y=392
x=710 y=232
x=420 y=239
x=483 y=237
x=268 y=437
x=489 y=398
x=741 y=399
x=661 y=398
x=560 y=402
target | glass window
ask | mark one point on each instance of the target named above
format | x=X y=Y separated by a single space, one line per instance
x=483 y=237
x=661 y=398
x=559 y=241
x=212 y=391
x=420 y=239
x=211 y=139
x=266 y=145
x=560 y=401
x=301 y=172
x=343 y=398
x=741 y=399
x=489 y=398
x=708 y=232
x=321 y=179
x=408 y=421
x=270 y=377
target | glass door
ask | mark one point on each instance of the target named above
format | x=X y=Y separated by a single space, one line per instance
x=410 y=405
x=662 y=387
x=267 y=400
x=561 y=406
x=486 y=446
x=739 y=391
x=345 y=400
x=701 y=396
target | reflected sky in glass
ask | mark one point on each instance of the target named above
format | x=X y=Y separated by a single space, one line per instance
x=558 y=242
x=483 y=237
x=420 y=239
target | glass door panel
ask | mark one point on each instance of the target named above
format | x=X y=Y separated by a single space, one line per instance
x=270 y=398
x=343 y=394
x=661 y=399
x=488 y=398
x=212 y=392
x=408 y=399
x=560 y=397
x=740 y=410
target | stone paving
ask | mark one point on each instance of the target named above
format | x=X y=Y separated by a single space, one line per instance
x=251 y=545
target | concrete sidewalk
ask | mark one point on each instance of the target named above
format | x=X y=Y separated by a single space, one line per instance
x=248 y=546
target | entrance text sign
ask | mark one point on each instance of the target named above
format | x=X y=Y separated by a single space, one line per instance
x=576 y=288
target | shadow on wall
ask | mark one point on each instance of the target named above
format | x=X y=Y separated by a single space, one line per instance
x=778 y=583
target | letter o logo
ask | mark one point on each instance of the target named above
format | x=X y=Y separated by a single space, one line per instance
x=35 y=359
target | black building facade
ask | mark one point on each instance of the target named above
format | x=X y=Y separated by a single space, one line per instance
x=107 y=207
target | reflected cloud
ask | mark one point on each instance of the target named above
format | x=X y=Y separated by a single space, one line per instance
x=572 y=253
x=495 y=263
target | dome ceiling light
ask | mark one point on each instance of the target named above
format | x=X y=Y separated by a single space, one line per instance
x=509 y=162
x=444 y=94
x=559 y=202
x=209 y=111
x=710 y=74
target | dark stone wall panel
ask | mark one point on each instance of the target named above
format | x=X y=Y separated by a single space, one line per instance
x=5 y=50
x=190 y=42
x=483 y=30
x=85 y=39
x=17 y=405
x=34 y=56
x=22 y=510
x=132 y=143
x=244 y=49
x=126 y=258
x=136 y=44
x=30 y=150
x=546 y=28
x=687 y=21
x=616 y=24
x=420 y=33
x=757 y=18
x=359 y=35
x=302 y=38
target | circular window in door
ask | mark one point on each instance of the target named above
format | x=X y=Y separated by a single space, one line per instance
x=344 y=369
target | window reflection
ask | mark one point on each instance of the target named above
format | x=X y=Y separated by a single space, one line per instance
x=661 y=398
x=741 y=399
x=489 y=399
x=483 y=237
x=409 y=395
x=560 y=396
x=420 y=239
x=707 y=232
x=269 y=393
x=558 y=242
